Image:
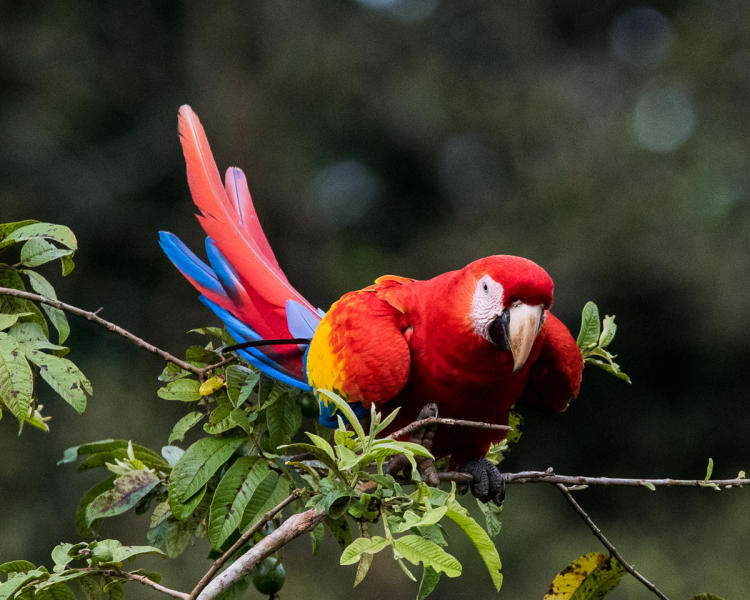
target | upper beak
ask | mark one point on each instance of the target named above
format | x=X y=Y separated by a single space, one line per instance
x=516 y=329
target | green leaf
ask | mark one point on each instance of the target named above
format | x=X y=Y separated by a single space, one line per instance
x=590 y=326
x=10 y=304
x=608 y=331
x=491 y=512
x=172 y=372
x=344 y=407
x=7 y=228
x=57 y=233
x=16 y=378
x=589 y=577
x=56 y=316
x=316 y=537
x=200 y=461
x=63 y=376
x=127 y=491
x=268 y=493
x=283 y=418
x=38 y=251
x=232 y=496
x=183 y=510
x=369 y=545
x=110 y=450
x=16 y=566
x=481 y=541
x=430 y=579
x=241 y=382
x=411 y=519
x=182 y=390
x=84 y=528
x=123 y=553
x=417 y=549
x=58 y=591
x=340 y=530
x=6 y=320
x=709 y=469
x=184 y=425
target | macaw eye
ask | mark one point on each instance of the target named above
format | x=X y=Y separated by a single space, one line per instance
x=485 y=287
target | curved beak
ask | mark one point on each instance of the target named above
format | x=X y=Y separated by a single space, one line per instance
x=516 y=330
x=525 y=323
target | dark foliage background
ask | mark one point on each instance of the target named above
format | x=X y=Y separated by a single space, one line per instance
x=605 y=140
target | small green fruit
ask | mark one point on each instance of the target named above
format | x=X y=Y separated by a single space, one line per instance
x=269 y=576
x=309 y=406
x=100 y=554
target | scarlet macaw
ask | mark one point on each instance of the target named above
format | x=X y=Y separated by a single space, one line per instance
x=474 y=341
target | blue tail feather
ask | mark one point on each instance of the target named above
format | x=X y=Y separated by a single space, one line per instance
x=222 y=269
x=187 y=262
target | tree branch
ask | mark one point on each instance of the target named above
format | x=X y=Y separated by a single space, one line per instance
x=550 y=476
x=95 y=318
x=217 y=564
x=607 y=544
x=293 y=527
x=414 y=425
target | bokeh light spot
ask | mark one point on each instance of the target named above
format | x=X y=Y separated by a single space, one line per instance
x=664 y=118
x=641 y=36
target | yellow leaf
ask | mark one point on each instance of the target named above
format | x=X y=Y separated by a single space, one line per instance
x=589 y=577
x=208 y=387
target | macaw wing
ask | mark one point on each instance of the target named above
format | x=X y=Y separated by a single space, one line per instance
x=359 y=352
x=555 y=377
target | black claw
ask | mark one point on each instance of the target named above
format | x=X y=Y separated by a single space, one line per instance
x=488 y=484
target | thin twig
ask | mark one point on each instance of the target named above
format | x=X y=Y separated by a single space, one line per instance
x=293 y=527
x=607 y=544
x=95 y=318
x=445 y=421
x=573 y=480
x=219 y=562
x=143 y=580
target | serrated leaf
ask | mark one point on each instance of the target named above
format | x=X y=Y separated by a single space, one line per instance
x=417 y=550
x=430 y=579
x=49 y=231
x=63 y=376
x=482 y=542
x=241 y=382
x=184 y=425
x=232 y=496
x=589 y=577
x=56 y=316
x=362 y=545
x=199 y=463
x=181 y=390
x=590 y=326
x=283 y=418
x=16 y=378
x=127 y=491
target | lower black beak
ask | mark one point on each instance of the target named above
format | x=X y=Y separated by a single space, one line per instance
x=499 y=330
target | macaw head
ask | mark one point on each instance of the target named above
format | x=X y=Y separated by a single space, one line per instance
x=509 y=302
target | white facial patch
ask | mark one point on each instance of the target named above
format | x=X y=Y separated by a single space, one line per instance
x=486 y=305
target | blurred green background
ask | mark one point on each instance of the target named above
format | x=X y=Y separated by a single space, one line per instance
x=608 y=141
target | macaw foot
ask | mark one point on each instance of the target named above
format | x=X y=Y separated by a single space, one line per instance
x=424 y=436
x=488 y=483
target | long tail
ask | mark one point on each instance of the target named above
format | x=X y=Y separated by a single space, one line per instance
x=244 y=285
